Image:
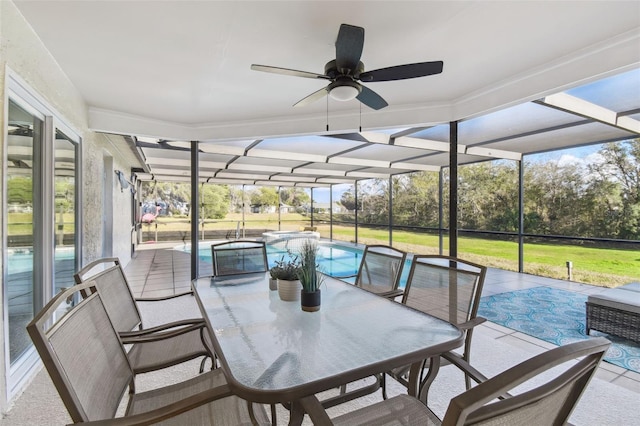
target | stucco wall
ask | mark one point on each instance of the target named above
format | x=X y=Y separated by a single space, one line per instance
x=23 y=52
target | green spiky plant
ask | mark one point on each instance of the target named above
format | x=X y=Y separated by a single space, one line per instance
x=310 y=278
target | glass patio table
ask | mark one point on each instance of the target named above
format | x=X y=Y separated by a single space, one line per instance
x=272 y=351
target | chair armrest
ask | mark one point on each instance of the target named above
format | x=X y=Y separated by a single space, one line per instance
x=169 y=410
x=182 y=323
x=143 y=336
x=391 y=295
x=456 y=359
x=471 y=323
x=156 y=299
x=342 y=277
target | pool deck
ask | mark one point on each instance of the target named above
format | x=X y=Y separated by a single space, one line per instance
x=158 y=269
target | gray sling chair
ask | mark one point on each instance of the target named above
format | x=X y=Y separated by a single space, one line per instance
x=380 y=270
x=549 y=399
x=239 y=257
x=89 y=367
x=450 y=289
x=168 y=342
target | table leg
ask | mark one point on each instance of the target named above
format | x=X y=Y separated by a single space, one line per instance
x=414 y=378
x=434 y=367
x=296 y=413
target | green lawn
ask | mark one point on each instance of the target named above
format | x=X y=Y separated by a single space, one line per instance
x=606 y=267
x=600 y=266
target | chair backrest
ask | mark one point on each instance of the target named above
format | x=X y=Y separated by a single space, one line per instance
x=548 y=403
x=381 y=268
x=82 y=353
x=446 y=287
x=239 y=257
x=291 y=245
x=109 y=277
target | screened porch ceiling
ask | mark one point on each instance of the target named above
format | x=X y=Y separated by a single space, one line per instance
x=604 y=111
x=181 y=71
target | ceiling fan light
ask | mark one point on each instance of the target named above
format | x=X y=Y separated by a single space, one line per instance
x=344 y=93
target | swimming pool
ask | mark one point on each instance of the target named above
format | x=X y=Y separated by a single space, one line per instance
x=335 y=259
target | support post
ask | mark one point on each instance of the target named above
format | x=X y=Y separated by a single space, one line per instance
x=356 y=209
x=311 y=207
x=279 y=209
x=195 y=212
x=521 y=216
x=453 y=188
x=391 y=210
x=331 y=213
x=440 y=211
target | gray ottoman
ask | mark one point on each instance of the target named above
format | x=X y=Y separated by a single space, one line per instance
x=616 y=311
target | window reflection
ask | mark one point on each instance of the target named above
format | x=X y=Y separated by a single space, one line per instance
x=24 y=137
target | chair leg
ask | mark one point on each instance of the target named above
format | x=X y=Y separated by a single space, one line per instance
x=274 y=418
x=383 y=385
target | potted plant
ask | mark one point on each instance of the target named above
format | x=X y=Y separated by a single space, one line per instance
x=310 y=277
x=274 y=272
x=286 y=272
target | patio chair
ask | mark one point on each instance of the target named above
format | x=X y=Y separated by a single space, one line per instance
x=549 y=398
x=167 y=343
x=89 y=367
x=380 y=270
x=450 y=289
x=239 y=257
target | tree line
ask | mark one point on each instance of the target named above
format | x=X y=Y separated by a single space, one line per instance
x=597 y=200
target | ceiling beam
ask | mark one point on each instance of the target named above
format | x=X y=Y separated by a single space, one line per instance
x=426 y=144
x=493 y=153
x=565 y=102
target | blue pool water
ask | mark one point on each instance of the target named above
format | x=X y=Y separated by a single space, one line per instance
x=333 y=259
x=21 y=260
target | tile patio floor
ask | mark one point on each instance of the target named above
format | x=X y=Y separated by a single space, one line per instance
x=158 y=270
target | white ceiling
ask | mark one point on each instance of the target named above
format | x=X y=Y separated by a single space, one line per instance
x=181 y=69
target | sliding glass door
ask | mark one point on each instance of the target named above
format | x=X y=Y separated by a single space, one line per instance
x=23 y=161
x=41 y=221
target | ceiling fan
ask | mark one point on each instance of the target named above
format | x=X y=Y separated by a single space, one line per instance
x=346 y=71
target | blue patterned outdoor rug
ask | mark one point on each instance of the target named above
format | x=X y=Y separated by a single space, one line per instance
x=555 y=316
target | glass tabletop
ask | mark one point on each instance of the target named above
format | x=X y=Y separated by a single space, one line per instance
x=273 y=350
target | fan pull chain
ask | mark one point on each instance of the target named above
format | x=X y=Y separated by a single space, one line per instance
x=327 y=113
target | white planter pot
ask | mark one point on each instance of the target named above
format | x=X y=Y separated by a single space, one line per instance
x=289 y=290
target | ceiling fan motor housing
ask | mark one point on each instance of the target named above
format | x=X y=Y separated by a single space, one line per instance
x=331 y=70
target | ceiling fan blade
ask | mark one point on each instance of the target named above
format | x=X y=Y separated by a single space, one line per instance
x=287 y=71
x=402 y=72
x=312 y=97
x=371 y=98
x=349 y=47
